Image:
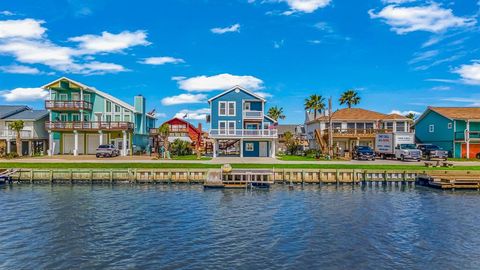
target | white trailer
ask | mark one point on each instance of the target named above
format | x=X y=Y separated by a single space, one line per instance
x=397 y=145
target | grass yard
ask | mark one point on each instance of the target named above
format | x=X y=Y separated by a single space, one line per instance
x=179 y=165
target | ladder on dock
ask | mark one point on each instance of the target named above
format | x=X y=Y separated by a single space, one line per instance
x=214 y=179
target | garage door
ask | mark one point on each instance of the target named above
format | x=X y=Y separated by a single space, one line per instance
x=93 y=141
x=69 y=143
x=474 y=150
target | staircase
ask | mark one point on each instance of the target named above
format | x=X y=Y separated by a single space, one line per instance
x=227 y=144
x=321 y=140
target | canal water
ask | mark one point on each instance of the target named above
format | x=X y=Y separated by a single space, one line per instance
x=186 y=227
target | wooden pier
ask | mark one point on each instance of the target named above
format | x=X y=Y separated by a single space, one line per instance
x=444 y=179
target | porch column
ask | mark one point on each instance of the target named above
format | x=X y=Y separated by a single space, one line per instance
x=272 y=146
x=214 y=148
x=101 y=137
x=467 y=138
x=124 y=144
x=30 y=148
x=81 y=102
x=50 y=143
x=241 y=148
x=8 y=147
x=75 y=148
x=394 y=126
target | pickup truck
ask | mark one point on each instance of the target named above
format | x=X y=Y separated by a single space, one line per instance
x=107 y=150
x=431 y=151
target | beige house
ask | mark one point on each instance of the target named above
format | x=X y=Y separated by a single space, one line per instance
x=351 y=127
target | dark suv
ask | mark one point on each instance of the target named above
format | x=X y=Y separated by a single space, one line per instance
x=363 y=152
x=431 y=151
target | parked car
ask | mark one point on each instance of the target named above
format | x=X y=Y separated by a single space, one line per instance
x=107 y=150
x=431 y=151
x=363 y=152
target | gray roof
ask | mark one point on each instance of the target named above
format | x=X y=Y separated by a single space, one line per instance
x=7 y=110
x=29 y=115
x=284 y=128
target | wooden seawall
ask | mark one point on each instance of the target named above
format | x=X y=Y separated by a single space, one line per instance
x=294 y=176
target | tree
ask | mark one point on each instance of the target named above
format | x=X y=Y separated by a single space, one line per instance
x=17 y=126
x=276 y=113
x=411 y=116
x=349 y=97
x=291 y=143
x=181 y=147
x=315 y=103
x=164 y=132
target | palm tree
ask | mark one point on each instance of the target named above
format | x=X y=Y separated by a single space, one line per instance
x=17 y=126
x=349 y=97
x=276 y=113
x=315 y=103
x=164 y=132
x=411 y=116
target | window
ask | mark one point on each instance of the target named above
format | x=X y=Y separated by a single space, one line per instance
x=231 y=127
x=369 y=126
x=117 y=117
x=231 y=108
x=108 y=118
x=117 y=108
x=431 y=128
x=450 y=125
x=63 y=96
x=75 y=117
x=249 y=147
x=63 y=117
x=400 y=126
x=247 y=106
x=75 y=96
x=350 y=125
x=108 y=106
x=86 y=97
x=360 y=125
x=86 y=117
x=222 y=126
x=388 y=125
x=222 y=108
x=126 y=118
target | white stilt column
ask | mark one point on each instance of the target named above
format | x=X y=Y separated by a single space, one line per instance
x=50 y=143
x=100 y=134
x=467 y=138
x=273 y=148
x=241 y=148
x=124 y=144
x=9 y=145
x=214 y=148
x=75 y=146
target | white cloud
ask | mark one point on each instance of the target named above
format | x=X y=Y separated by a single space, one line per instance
x=6 y=13
x=473 y=102
x=184 y=99
x=470 y=73
x=263 y=94
x=26 y=28
x=160 y=115
x=19 y=69
x=441 y=88
x=219 y=82
x=233 y=28
x=162 y=60
x=397 y=1
x=404 y=112
x=306 y=6
x=423 y=56
x=200 y=114
x=96 y=68
x=108 y=42
x=24 y=94
x=278 y=44
x=314 y=41
x=431 y=18
x=38 y=52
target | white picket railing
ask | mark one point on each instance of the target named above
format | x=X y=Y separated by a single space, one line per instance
x=253 y=114
x=244 y=133
x=10 y=134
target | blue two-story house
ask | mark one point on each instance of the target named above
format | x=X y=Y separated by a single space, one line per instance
x=239 y=126
x=456 y=129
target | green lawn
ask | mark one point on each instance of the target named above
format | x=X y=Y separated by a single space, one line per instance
x=295 y=158
x=190 y=157
x=180 y=165
x=463 y=159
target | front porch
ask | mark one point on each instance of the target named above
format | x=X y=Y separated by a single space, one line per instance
x=244 y=147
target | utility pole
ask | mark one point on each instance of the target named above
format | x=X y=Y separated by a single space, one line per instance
x=330 y=130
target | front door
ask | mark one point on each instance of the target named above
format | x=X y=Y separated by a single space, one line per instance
x=263 y=149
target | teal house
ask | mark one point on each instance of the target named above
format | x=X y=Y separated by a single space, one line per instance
x=456 y=129
x=82 y=117
x=239 y=126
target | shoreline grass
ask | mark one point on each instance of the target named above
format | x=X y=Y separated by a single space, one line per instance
x=179 y=165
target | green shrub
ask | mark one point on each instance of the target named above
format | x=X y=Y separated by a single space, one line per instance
x=180 y=148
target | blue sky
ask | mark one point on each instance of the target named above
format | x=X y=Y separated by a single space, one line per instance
x=399 y=55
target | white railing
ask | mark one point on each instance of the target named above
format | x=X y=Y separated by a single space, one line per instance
x=10 y=134
x=241 y=133
x=253 y=114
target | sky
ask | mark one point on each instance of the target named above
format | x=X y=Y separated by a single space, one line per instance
x=399 y=55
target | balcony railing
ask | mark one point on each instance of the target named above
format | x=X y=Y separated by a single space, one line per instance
x=357 y=132
x=10 y=134
x=68 y=105
x=462 y=135
x=252 y=114
x=88 y=126
x=244 y=133
x=154 y=131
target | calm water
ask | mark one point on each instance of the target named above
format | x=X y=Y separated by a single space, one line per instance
x=172 y=227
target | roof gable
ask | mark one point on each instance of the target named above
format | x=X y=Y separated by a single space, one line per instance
x=176 y=119
x=237 y=87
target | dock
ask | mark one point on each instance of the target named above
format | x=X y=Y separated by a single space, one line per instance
x=450 y=180
x=243 y=178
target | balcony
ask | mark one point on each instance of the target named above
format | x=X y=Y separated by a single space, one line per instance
x=89 y=126
x=7 y=134
x=68 y=105
x=252 y=115
x=244 y=133
x=463 y=135
x=353 y=132
x=154 y=131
